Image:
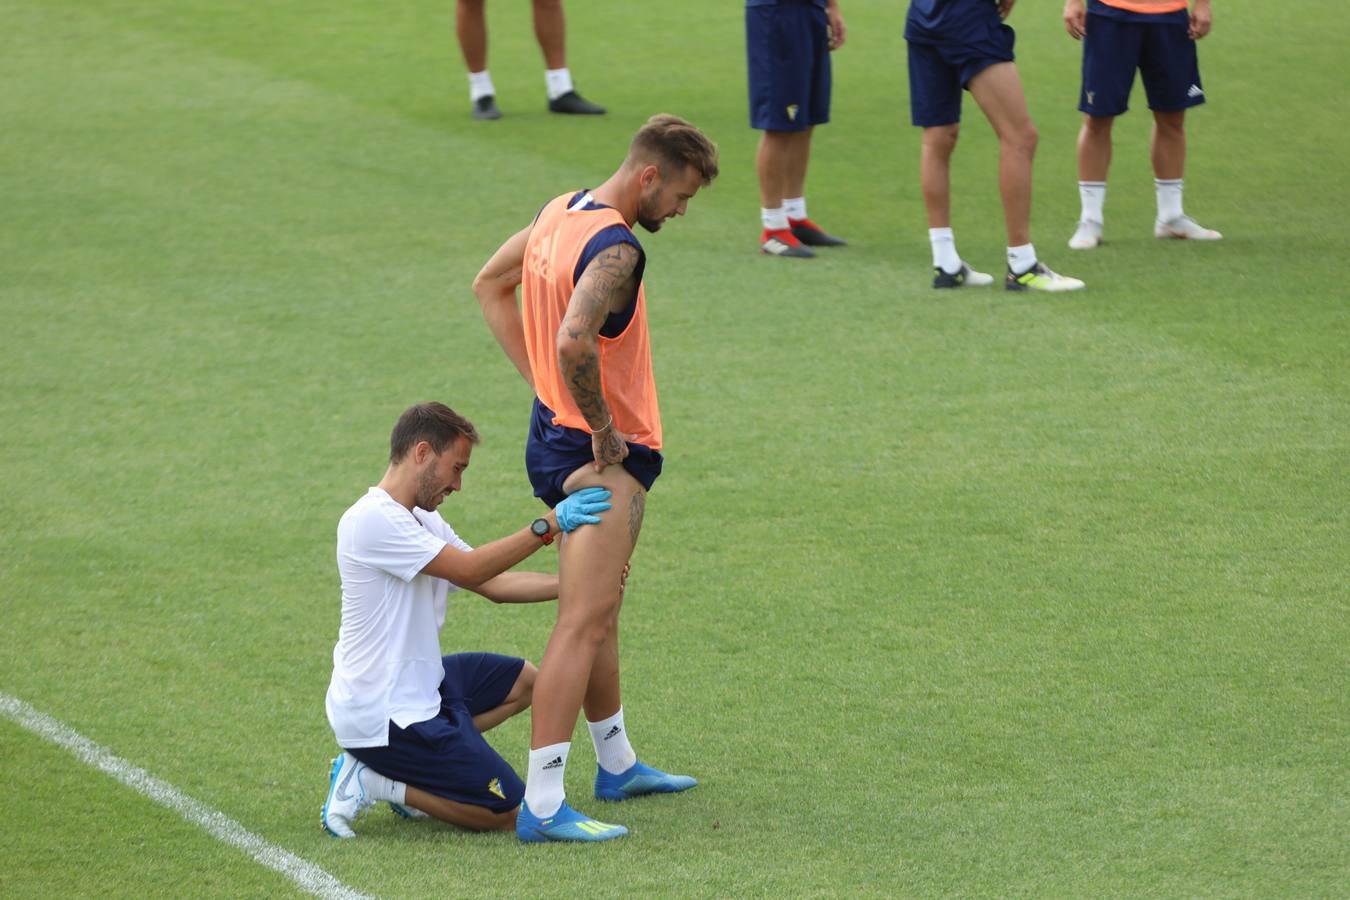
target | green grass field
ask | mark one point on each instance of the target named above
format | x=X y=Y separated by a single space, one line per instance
x=977 y=595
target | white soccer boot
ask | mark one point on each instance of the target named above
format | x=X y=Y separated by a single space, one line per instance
x=1184 y=228
x=1087 y=235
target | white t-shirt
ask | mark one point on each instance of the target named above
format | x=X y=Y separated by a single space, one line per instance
x=387 y=661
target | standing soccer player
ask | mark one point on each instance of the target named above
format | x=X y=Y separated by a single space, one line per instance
x=957 y=45
x=788 y=45
x=579 y=338
x=1157 y=37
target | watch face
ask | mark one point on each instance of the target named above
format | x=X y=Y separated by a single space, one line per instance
x=540 y=527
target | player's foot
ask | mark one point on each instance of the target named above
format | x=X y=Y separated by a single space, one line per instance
x=486 y=108
x=813 y=235
x=573 y=104
x=407 y=812
x=1185 y=228
x=782 y=242
x=564 y=825
x=964 y=277
x=1087 y=235
x=638 y=780
x=346 y=796
x=1040 y=278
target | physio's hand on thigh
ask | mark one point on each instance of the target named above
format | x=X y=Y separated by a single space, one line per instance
x=582 y=508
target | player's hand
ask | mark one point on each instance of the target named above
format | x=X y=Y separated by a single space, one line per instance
x=582 y=508
x=838 y=31
x=610 y=447
x=1075 y=19
x=1005 y=8
x=1202 y=18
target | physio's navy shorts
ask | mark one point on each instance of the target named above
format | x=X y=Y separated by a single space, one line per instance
x=446 y=755
x=1157 y=44
x=553 y=452
x=941 y=65
x=787 y=46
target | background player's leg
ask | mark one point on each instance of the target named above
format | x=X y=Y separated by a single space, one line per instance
x=1168 y=146
x=998 y=91
x=935 y=156
x=550 y=29
x=471 y=28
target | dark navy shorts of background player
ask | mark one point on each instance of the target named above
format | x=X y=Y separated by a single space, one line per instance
x=946 y=53
x=1157 y=44
x=787 y=49
x=446 y=755
x=552 y=452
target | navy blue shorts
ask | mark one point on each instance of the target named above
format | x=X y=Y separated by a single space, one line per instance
x=552 y=452
x=941 y=65
x=1158 y=45
x=446 y=755
x=787 y=47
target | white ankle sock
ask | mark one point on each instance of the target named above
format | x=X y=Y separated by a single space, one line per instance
x=1021 y=259
x=612 y=749
x=378 y=787
x=1093 y=197
x=558 y=82
x=1169 y=198
x=544 y=792
x=795 y=208
x=774 y=219
x=480 y=85
x=945 y=256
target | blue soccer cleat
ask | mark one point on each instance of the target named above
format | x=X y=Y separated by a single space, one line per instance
x=638 y=780
x=564 y=825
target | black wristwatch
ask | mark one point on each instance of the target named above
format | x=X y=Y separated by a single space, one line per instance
x=542 y=530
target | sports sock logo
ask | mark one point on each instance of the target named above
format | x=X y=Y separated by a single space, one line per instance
x=616 y=730
x=554 y=763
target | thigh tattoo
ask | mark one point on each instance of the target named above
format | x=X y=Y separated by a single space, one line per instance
x=636 y=508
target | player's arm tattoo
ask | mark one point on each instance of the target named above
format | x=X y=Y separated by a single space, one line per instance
x=604 y=287
x=637 y=508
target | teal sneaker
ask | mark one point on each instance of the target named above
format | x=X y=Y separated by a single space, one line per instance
x=407 y=812
x=638 y=780
x=564 y=825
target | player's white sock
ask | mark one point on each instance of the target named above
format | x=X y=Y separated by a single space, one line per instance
x=1169 y=198
x=1021 y=259
x=774 y=220
x=795 y=208
x=1093 y=196
x=945 y=256
x=378 y=787
x=612 y=749
x=544 y=780
x=480 y=85
x=559 y=82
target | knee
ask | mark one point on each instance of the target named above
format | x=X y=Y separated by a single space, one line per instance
x=1098 y=126
x=941 y=140
x=1023 y=139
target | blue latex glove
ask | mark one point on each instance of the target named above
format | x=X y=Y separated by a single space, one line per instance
x=581 y=508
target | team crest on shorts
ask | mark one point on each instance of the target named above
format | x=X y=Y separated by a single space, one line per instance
x=792 y=111
x=495 y=787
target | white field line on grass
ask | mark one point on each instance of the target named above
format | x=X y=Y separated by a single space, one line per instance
x=306 y=875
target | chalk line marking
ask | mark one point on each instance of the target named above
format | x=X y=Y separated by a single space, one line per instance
x=307 y=876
